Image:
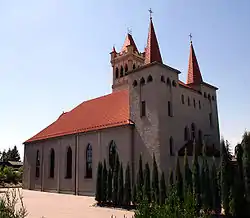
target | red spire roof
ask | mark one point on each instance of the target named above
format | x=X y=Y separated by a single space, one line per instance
x=152 y=51
x=194 y=74
x=129 y=41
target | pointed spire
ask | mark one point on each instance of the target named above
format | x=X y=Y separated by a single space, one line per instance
x=129 y=41
x=152 y=51
x=194 y=74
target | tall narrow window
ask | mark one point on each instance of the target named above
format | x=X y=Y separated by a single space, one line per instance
x=143 y=108
x=211 y=119
x=112 y=154
x=126 y=68
x=37 y=164
x=199 y=104
x=170 y=109
x=171 y=144
x=89 y=161
x=142 y=81
x=116 y=72
x=194 y=103
x=168 y=82
x=150 y=78
x=69 y=163
x=200 y=136
x=121 y=71
x=182 y=99
x=186 y=134
x=193 y=131
x=52 y=163
x=133 y=66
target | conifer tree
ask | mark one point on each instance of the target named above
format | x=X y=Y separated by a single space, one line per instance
x=115 y=181
x=246 y=164
x=134 y=195
x=225 y=186
x=146 y=186
x=187 y=175
x=105 y=182
x=121 y=186
x=239 y=194
x=127 y=187
x=216 y=201
x=109 y=194
x=163 y=190
x=140 y=181
x=178 y=180
x=155 y=182
x=196 y=178
x=98 y=194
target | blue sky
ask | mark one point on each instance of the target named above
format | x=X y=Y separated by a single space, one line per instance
x=54 y=54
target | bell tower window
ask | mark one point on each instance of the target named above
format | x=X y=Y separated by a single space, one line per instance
x=121 y=71
x=116 y=72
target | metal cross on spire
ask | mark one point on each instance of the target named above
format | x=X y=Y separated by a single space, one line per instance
x=129 y=31
x=190 y=37
x=150 y=13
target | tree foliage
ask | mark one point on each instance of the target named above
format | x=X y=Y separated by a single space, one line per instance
x=155 y=181
x=127 y=187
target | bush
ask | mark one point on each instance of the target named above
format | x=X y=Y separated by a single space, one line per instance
x=8 y=205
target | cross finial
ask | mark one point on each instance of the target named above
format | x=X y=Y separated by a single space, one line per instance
x=190 y=37
x=150 y=13
x=129 y=31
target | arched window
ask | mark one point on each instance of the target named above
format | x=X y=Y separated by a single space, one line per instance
x=112 y=154
x=135 y=83
x=168 y=82
x=142 y=81
x=133 y=66
x=89 y=161
x=182 y=99
x=171 y=144
x=174 y=83
x=193 y=131
x=121 y=71
x=150 y=78
x=194 y=103
x=205 y=94
x=188 y=101
x=37 y=164
x=126 y=68
x=186 y=134
x=200 y=136
x=199 y=104
x=116 y=72
x=69 y=163
x=163 y=79
x=52 y=163
x=209 y=97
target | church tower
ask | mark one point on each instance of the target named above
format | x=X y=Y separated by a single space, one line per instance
x=124 y=62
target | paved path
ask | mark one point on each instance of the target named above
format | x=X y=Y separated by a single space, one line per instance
x=50 y=205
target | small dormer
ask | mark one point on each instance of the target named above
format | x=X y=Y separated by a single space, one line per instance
x=125 y=61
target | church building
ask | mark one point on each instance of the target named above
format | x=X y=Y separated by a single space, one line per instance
x=149 y=112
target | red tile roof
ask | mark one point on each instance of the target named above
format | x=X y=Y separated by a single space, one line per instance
x=103 y=112
x=194 y=74
x=152 y=51
x=129 y=41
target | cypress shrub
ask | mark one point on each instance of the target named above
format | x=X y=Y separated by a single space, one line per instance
x=105 y=183
x=178 y=180
x=155 y=182
x=146 y=187
x=110 y=177
x=98 y=194
x=121 y=186
x=127 y=187
x=140 y=181
x=163 y=190
x=115 y=181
